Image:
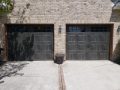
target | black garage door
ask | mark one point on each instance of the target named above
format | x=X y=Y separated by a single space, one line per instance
x=30 y=42
x=88 y=42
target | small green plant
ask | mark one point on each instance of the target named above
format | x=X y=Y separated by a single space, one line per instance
x=6 y=6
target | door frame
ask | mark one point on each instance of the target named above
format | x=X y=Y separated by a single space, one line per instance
x=111 y=37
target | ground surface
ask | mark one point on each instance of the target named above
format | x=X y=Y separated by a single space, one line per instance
x=92 y=75
x=78 y=75
x=35 y=76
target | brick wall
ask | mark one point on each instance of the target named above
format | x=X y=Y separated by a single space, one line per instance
x=62 y=12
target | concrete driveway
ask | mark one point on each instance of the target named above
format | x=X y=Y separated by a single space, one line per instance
x=37 y=75
x=91 y=75
x=78 y=75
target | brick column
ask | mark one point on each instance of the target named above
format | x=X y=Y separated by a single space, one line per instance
x=60 y=38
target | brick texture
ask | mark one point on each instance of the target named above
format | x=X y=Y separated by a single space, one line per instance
x=62 y=12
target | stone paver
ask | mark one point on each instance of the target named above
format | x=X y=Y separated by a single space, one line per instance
x=62 y=85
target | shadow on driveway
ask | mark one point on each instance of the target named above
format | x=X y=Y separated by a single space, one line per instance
x=9 y=69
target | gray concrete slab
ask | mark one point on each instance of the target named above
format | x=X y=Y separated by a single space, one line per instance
x=37 y=75
x=91 y=75
x=78 y=75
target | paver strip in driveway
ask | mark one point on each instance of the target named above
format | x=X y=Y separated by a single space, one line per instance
x=62 y=85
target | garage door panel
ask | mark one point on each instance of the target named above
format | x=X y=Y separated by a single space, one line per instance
x=76 y=47
x=38 y=56
x=77 y=56
x=90 y=36
x=30 y=42
x=102 y=47
x=90 y=46
x=71 y=38
x=91 y=56
x=81 y=47
x=41 y=48
x=102 y=36
x=88 y=43
x=43 y=39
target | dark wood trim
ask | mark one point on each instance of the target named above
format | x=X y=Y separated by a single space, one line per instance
x=111 y=41
x=6 y=43
x=66 y=28
x=53 y=41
